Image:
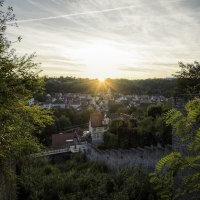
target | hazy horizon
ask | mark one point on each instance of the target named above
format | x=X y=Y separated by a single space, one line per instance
x=131 y=39
x=106 y=78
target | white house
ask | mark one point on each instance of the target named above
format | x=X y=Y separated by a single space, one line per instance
x=75 y=104
x=97 y=126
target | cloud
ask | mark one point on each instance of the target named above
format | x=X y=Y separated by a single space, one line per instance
x=62 y=62
x=134 y=69
x=75 y=14
x=63 y=70
x=80 y=13
x=154 y=35
x=192 y=4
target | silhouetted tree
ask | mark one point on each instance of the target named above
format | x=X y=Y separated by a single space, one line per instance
x=188 y=78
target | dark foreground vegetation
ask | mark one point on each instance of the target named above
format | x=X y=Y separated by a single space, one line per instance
x=79 y=179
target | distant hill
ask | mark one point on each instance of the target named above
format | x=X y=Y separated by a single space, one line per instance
x=163 y=87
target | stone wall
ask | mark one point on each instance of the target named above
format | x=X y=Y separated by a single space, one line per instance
x=139 y=158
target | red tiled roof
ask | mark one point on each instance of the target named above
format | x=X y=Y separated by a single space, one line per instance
x=96 y=119
x=59 y=140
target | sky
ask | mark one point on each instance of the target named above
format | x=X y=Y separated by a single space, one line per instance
x=133 y=39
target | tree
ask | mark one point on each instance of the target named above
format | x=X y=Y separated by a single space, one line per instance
x=109 y=141
x=177 y=175
x=188 y=78
x=146 y=131
x=78 y=178
x=154 y=110
x=64 y=121
x=117 y=108
x=19 y=82
x=163 y=131
x=116 y=124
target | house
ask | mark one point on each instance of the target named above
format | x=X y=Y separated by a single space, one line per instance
x=121 y=99
x=58 y=105
x=46 y=105
x=76 y=104
x=53 y=105
x=63 y=140
x=98 y=124
x=155 y=99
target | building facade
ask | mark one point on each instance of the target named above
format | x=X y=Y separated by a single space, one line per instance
x=98 y=124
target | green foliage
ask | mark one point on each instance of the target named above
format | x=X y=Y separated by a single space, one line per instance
x=167 y=183
x=116 y=124
x=177 y=167
x=188 y=78
x=110 y=141
x=145 y=127
x=163 y=131
x=117 y=108
x=79 y=179
x=19 y=83
x=64 y=121
x=76 y=117
x=154 y=110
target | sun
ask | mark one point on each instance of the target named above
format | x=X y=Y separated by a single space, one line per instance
x=100 y=60
x=101 y=79
x=100 y=72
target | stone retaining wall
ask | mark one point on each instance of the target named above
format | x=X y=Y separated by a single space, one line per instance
x=139 y=158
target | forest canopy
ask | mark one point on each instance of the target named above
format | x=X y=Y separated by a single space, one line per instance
x=79 y=85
